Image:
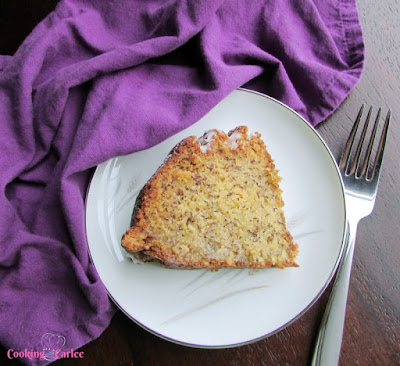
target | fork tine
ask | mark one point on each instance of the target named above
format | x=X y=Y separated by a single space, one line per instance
x=344 y=161
x=356 y=160
x=364 y=168
x=381 y=147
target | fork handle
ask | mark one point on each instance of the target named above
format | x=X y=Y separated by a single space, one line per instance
x=329 y=339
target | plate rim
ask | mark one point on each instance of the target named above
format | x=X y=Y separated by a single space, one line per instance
x=295 y=318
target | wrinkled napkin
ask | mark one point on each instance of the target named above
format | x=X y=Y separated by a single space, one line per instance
x=101 y=78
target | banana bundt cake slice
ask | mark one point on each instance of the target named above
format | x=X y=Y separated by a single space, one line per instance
x=214 y=203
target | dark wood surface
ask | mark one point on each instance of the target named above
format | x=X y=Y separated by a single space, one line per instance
x=372 y=329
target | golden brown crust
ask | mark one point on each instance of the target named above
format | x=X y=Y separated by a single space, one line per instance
x=208 y=191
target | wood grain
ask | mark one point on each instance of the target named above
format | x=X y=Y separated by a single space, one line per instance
x=372 y=329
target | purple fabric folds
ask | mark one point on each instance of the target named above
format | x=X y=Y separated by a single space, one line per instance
x=100 y=78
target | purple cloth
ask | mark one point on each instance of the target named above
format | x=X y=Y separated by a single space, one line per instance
x=101 y=78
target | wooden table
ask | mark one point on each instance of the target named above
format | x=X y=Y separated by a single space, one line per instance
x=372 y=330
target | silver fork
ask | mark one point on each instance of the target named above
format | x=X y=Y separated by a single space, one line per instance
x=360 y=180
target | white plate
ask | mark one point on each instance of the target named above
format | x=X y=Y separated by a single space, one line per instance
x=229 y=307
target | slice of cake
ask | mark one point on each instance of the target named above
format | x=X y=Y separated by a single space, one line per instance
x=214 y=203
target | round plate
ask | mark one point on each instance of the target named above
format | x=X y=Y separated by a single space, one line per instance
x=231 y=306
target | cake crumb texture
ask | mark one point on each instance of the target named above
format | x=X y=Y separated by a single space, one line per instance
x=215 y=203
